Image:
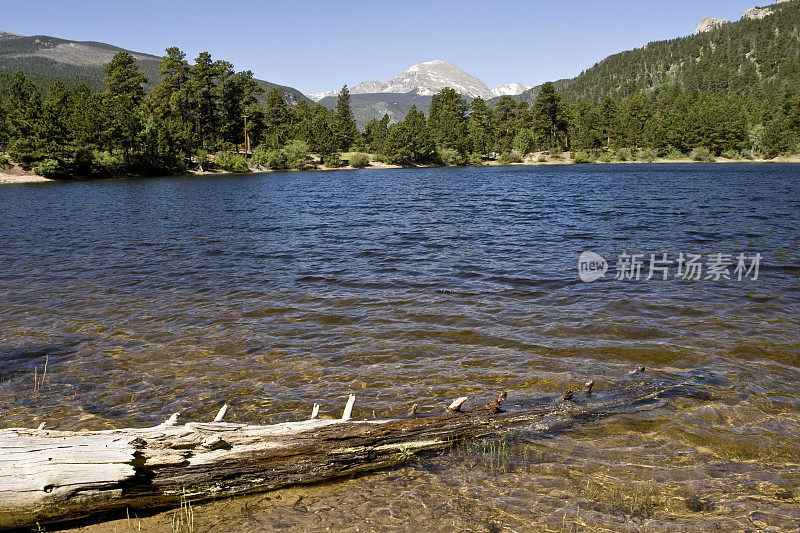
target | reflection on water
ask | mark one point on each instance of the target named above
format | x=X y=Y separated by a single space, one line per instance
x=277 y=291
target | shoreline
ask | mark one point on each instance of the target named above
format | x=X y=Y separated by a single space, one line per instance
x=22 y=178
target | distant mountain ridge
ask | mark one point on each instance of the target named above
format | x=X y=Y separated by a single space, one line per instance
x=427 y=79
x=46 y=59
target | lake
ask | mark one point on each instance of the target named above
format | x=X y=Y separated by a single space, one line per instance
x=276 y=291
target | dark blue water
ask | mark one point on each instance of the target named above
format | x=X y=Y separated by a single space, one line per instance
x=275 y=291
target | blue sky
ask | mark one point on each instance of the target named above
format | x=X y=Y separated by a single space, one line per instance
x=320 y=45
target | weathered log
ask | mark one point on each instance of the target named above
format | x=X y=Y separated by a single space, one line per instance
x=50 y=476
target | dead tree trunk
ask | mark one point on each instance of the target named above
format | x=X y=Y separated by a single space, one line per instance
x=50 y=476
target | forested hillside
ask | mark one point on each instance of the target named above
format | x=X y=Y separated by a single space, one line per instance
x=46 y=59
x=760 y=58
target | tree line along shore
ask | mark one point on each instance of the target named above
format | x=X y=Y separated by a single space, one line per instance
x=205 y=116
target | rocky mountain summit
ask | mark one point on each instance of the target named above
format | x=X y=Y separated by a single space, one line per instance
x=710 y=24
x=428 y=79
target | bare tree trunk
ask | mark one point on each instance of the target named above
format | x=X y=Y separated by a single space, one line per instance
x=49 y=476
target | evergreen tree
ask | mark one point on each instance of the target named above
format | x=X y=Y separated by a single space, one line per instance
x=376 y=133
x=237 y=97
x=409 y=141
x=550 y=115
x=205 y=77
x=54 y=124
x=23 y=113
x=275 y=129
x=170 y=104
x=504 y=121
x=123 y=96
x=479 y=127
x=447 y=120
x=86 y=117
x=345 y=125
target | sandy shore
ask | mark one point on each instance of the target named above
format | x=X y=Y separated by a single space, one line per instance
x=21 y=178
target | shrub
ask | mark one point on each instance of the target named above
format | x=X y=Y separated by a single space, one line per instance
x=624 y=154
x=269 y=158
x=542 y=158
x=231 y=162
x=702 y=154
x=673 y=154
x=581 y=158
x=731 y=154
x=5 y=163
x=296 y=154
x=359 y=160
x=506 y=158
x=47 y=168
x=524 y=141
x=452 y=158
x=646 y=154
x=203 y=160
x=380 y=158
x=332 y=159
x=475 y=159
x=108 y=163
x=605 y=157
x=555 y=152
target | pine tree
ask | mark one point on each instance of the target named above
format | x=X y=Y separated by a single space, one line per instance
x=123 y=96
x=23 y=114
x=170 y=104
x=479 y=126
x=409 y=141
x=447 y=120
x=376 y=133
x=550 y=114
x=345 y=125
x=275 y=121
x=504 y=121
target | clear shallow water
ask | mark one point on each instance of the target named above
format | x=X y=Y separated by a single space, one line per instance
x=276 y=291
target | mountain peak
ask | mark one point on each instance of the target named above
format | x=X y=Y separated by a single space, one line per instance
x=428 y=78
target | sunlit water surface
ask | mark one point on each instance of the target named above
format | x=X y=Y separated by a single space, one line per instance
x=276 y=291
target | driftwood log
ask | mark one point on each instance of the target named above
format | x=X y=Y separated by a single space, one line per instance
x=49 y=476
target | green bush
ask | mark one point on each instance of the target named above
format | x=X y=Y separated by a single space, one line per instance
x=674 y=154
x=542 y=158
x=108 y=163
x=731 y=154
x=47 y=168
x=359 y=160
x=605 y=157
x=452 y=158
x=555 y=152
x=524 y=141
x=296 y=154
x=701 y=154
x=5 y=163
x=475 y=159
x=269 y=158
x=203 y=160
x=231 y=162
x=647 y=155
x=332 y=160
x=506 y=158
x=581 y=158
x=624 y=154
